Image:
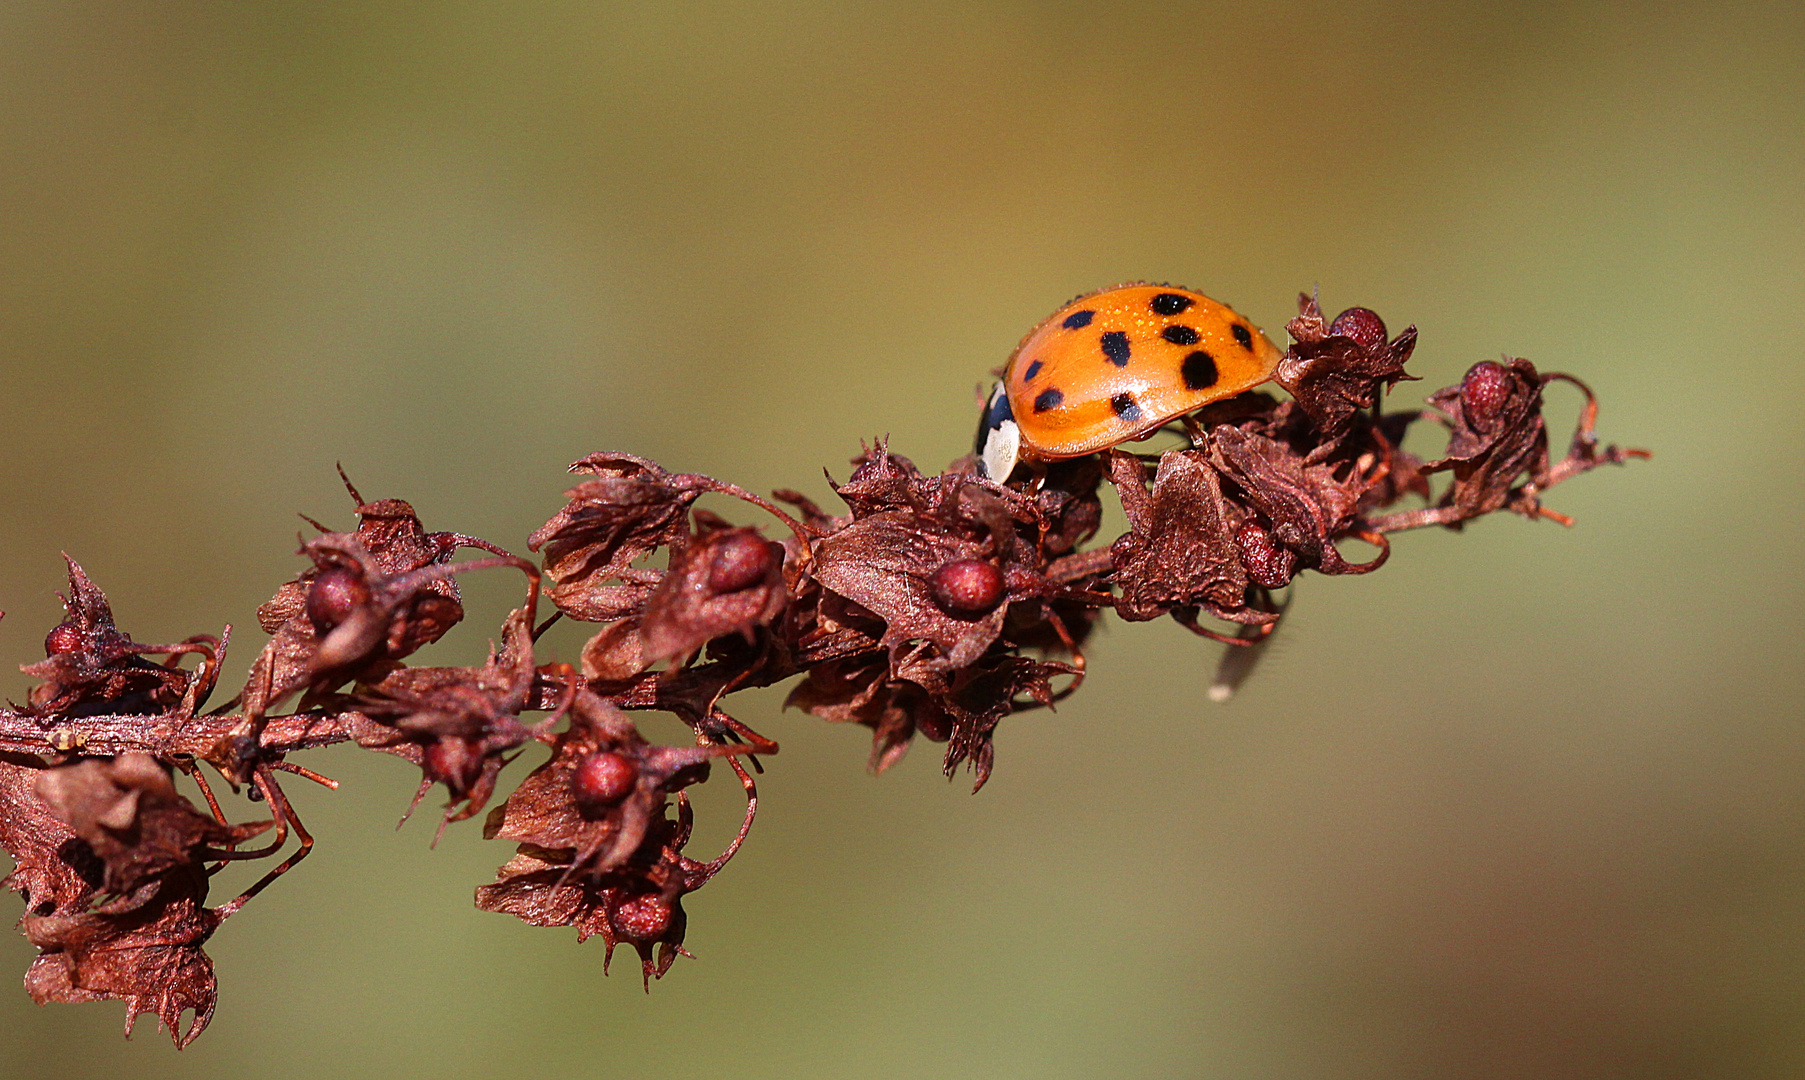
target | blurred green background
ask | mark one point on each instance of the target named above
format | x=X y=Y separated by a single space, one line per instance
x=1528 y=803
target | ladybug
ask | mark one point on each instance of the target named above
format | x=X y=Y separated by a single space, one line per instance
x=1115 y=365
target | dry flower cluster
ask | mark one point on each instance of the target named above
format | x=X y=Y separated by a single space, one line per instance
x=934 y=606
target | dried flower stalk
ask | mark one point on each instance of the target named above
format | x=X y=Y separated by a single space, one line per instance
x=934 y=606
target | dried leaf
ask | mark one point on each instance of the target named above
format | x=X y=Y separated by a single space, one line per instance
x=1180 y=551
x=149 y=957
x=128 y=812
x=54 y=870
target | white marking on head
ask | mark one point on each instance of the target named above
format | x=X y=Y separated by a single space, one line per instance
x=1001 y=449
x=999 y=439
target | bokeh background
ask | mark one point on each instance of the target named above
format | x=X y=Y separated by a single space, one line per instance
x=1528 y=803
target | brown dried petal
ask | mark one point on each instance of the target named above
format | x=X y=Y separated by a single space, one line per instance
x=290 y=600
x=1307 y=505
x=149 y=957
x=54 y=870
x=859 y=690
x=1498 y=434
x=883 y=481
x=615 y=653
x=723 y=582
x=463 y=720
x=633 y=508
x=546 y=811
x=1181 y=549
x=643 y=909
x=127 y=810
x=1334 y=376
x=982 y=696
x=96 y=668
x=397 y=541
x=885 y=562
x=381 y=618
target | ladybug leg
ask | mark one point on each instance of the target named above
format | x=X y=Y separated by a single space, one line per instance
x=1200 y=439
x=1037 y=477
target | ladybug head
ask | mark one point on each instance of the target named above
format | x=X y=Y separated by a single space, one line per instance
x=999 y=439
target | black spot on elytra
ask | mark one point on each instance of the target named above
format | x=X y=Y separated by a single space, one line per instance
x=1048 y=399
x=1179 y=335
x=1078 y=320
x=1199 y=371
x=1126 y=407
x=1170 y=303
x=1115 y=347
x=1244 y=337
x=1033 y=370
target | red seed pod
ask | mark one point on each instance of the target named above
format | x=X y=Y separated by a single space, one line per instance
x=1361 y=324
x=740 y=561
x=1266 y=561
x=64 y=638
x=642 y=918
x=1484 y=390
x=967 y=586
x=333 y=596
x=604 y=779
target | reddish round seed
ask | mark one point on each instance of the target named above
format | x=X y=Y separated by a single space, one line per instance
x=645 y=917
x=934 y=726
x=1266 y=561
x=333 y=596
x=1361 y=324
x=967 y=586
x=1484 y=390
x=604 y=779
x=453 y=762
x=741 y=560
x=64 y=638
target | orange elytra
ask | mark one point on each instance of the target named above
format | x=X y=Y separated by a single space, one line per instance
x=1115 y=365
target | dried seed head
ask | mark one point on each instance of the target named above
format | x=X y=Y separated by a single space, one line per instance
x=741 y=560
x=603 y=780
x=642 y=918
x=1267 y=562
x=64 y=638
x=1484 y=390
x=333 y=596
x=1361 y=324
x=967 y=586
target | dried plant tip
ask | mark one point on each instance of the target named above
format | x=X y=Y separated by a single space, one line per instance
x=332 y=597
x=967 y=586
x=602 y=781
x=1362 y=325
x=741 y=560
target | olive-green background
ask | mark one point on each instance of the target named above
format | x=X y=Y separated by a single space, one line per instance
x=1530 y=802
